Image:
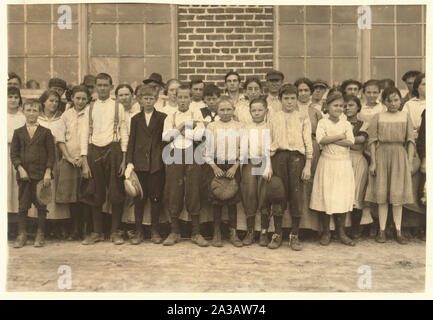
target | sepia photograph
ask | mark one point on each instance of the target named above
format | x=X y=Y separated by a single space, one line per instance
x=216 y=148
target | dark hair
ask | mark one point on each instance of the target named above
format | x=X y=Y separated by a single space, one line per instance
x=33 y=102
x=306 y=81
x=103 y=76
x=261 y=100
x=349 y=82
x=123 y=85
x=194 y=82
x=13 y=75
x=350 y=97
x=210 y=90
x=232 y=73
x=184 y=87
x=44 y=97
x=15 y=90
x=287 y=89
x=369 y=83
x=331 y=98
x=146 y=89
x=80 y=88
x=169 y=82
x=416 y=84
x=389 y=91
x=30 y=82
x=410 y=74
x=252 y=79
x=68 y=93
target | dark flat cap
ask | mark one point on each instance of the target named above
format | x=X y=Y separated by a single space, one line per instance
x=57 y=82
x=154 y=77
x=320 y=83
x=275 y=75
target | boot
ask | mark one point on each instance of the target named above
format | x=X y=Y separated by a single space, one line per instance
x=325 y=238
x=20 y=240
x=374 y=228
x=381 y=238
x=340 y=219
x=234 y=238
x=39 y=240
x=93 y=238
x=172 y=239
x=116 y=238
x=216 y=240
x=400 y=239
x=275 y=241
x=294 y=242
x=249 y=237
x=199 y=240
x=155 y=237
x=263 y=242
x=137 y=238
x=356 y=221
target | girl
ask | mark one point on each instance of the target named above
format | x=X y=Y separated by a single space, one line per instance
x=169 y=106
x=224 y=164
x=352 y=105
x=71 y=165
x=258 y=159
x=334 y=184
x=15 y=120
x=391 y=142
x=253 y=89
x=371 y=107
x=305 y=89
x=50 y=118
x=292 y=152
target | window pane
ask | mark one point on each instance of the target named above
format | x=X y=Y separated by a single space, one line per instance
x=103 y=39
x=38 y=39
x=409 y=13
x=102 y=12
x=292 y=68
x=382 y=68
x=162 y=65
x=16 y=65
x=131 y=71
x=319 y=69
x=409 y=40
x=67 y=69
x=156 y=13
x=66 y=41
x=39 y=13
x=131 y=12
x=345 y=40
x=39 y=70
x=291 y=40
x=15 y=13
x=103 y=64
x=318 y=14
x=16 y=39
x=293 y=14
x=404 y=65
x=345 y=14
x=158 y=39
x=382 y=14
x=131 y=39
x=382 y=41
x=318 y=40
x=345 y=69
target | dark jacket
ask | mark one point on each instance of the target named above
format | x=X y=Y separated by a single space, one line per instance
x=35 y=154
x=420 y=141
x=145 y=143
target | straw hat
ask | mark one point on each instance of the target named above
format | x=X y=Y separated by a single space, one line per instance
x=43 y=194
x=223 y=188
x=133 y=186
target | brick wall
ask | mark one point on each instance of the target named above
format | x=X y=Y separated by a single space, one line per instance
x=216 y=39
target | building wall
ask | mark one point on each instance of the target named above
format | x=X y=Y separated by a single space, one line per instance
x=130 y=41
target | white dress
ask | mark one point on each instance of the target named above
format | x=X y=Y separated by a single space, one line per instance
x=334 y=182
x=14 y=121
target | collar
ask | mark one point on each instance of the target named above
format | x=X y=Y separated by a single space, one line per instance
x=32 y=125
x=103 y=101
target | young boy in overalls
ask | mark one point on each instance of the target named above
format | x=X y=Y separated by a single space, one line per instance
x=106 y=156
x=144 y=156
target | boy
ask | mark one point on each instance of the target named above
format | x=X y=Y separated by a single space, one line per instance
x=14 y=80
x=409 y=78
x=274 y=80
x=211 y=94
x=32 y=154
x=183 y=179
x=107 y=136
x=319 y=89
x=59 y=85
x=144 y=156
x=197 y=87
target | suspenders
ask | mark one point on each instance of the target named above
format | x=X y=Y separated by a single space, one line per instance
x=116 y=121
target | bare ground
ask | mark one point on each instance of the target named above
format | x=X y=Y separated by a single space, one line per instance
x=187 y=268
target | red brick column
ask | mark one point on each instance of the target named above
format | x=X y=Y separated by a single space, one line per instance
x=216 y=39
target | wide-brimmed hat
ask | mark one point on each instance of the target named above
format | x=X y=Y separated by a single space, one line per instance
x=154 y=77
x=133 y=186
x=224 y=188
x=43 y=194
